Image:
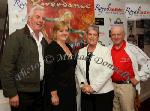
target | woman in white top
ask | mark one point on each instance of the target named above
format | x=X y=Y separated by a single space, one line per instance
x=93 y=71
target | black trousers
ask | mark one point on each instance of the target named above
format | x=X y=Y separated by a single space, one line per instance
x=30 y=101
x=97 y=102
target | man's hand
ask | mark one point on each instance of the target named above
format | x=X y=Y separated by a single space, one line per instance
x=14 y=101
x=134 y=81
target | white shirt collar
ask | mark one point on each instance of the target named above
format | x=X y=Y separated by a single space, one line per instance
x=39 y=45
x=33 y=34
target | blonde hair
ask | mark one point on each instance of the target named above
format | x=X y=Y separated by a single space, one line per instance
x=57 y=27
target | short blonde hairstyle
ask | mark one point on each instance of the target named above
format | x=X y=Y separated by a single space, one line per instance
x=57 y=27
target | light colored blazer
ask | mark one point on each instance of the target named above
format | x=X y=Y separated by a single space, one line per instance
x=100 y=69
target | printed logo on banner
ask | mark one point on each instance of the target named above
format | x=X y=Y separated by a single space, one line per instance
x=109 y=9
x=136 y=11
x=99 y=21
x=61 y=3
x=17 y=10
x=118 y=21
x=77 y=14
x=20 y=4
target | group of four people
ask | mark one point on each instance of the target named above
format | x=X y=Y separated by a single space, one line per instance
x=38 y=76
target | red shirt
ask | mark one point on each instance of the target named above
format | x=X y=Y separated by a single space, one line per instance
x=122 y=61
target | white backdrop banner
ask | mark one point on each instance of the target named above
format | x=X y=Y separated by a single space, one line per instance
x=17 y=14
x=109 y=13
x=135 y=11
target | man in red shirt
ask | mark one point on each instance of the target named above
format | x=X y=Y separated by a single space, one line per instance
x=126 y=76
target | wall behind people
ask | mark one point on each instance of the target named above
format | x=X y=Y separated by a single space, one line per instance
x=77 y=14
x=17 y=14
x=107 y=14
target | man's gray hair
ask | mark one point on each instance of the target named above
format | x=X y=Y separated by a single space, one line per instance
x=93 y=27
x=33 y=9
x=118 y=26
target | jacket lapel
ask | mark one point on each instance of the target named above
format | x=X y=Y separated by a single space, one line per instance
x=95 y=54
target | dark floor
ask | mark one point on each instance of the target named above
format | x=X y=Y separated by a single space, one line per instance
x=145 y=106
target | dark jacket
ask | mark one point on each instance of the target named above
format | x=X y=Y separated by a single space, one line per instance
x=20 y=68
x=60 y=76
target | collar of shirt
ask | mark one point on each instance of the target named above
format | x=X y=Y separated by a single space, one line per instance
x=39 y=45
x=33 y=34
x=123 y=45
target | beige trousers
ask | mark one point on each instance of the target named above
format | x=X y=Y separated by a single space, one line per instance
x=124 y=95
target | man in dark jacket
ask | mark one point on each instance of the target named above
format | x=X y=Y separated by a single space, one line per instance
x=23 y=65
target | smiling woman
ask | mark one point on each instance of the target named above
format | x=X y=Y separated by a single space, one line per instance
x=60 y=86
x=93 y=74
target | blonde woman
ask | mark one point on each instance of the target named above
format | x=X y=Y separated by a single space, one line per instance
x=59 y=71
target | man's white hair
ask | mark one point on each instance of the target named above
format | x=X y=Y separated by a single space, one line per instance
x=35 y=8
x=118 y=26
x=93 y=27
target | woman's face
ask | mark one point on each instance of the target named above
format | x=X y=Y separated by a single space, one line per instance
x=92 y=37
x=62 y=34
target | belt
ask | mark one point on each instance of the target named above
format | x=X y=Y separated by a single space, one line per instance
x=122 y=82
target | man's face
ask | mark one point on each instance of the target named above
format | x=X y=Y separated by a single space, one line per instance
x=117 y=35
x=36 y=22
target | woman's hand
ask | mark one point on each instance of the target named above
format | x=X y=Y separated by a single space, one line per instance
x=54 y=98
x=87 y=89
